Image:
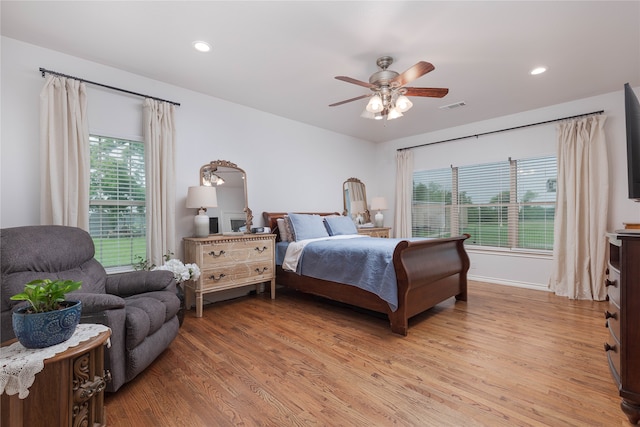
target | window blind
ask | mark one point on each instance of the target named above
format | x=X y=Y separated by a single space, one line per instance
x=117 y=207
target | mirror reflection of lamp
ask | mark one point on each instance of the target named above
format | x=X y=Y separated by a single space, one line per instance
x=379 y=204
x=201 y=198
x=357 y=209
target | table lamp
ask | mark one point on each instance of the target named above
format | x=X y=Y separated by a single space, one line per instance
x=201 y=198
x=379 y=204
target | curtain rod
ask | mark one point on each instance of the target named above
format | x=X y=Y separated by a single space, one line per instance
x=55 y=73
x=501 y=130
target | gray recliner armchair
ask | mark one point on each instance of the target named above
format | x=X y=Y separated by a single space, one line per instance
x=140 y=307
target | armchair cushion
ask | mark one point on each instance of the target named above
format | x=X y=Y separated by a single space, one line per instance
x=138 y=282
x=95 y=303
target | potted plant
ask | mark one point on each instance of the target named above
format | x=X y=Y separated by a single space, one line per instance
x=49 y=319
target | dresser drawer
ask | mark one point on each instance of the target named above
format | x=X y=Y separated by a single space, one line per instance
x=612 y=347
x=612 y=282
x=612 y=316
x=236 y=274
x=214 y=255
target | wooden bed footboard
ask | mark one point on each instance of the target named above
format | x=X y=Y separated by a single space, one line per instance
x=427 y=271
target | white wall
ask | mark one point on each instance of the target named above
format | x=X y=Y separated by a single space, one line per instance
x=289 y=165
x=516 y=268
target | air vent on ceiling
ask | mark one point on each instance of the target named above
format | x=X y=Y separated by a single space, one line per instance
x=454 y=105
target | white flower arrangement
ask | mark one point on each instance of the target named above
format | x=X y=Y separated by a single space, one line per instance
x=181 y=272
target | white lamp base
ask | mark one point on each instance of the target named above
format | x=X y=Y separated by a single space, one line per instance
x=379 y=220
x=201 y=222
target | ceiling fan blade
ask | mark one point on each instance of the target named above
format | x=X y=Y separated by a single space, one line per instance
x=433 y=92
x=418 y=70
x=349 y=100
x=355 y=82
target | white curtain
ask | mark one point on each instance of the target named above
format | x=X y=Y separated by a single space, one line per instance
x=64 y=153
x=404 y=193
x=160 y=152
x=581 y=210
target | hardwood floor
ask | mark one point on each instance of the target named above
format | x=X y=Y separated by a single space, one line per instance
x=507 y=357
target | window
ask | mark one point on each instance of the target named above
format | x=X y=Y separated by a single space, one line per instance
x=508 y=204
x=117 y=207
x=431 y=207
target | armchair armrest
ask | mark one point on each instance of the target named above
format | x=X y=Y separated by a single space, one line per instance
x=139 y=282
x=93 y=303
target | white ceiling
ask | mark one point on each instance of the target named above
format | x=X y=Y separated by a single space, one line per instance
x=281 y=57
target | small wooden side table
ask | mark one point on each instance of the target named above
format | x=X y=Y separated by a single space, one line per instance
x=69 y=391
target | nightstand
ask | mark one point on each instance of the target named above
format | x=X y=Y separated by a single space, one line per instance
x=375 y=231
x=69 y=391
x=228 y=262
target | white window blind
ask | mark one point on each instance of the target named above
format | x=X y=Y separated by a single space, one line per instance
x=508 y=204
x=431 y=207
x=536 y=188
x=483 y=199
x=117 y=207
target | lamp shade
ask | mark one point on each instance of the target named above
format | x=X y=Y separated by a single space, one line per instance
x=378 y=204
x=202 y=197
x=375 y=104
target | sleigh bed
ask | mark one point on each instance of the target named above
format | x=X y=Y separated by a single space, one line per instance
x=427 y=272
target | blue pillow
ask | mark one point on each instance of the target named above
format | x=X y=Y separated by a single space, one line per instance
x=339 y=225
x=307 y=226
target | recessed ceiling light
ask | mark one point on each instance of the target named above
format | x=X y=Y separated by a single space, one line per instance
x=201 y=46
x=538 y=70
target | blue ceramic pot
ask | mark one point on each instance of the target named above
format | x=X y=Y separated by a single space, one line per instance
x=39 y=330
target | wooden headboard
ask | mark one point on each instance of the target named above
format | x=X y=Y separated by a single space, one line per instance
x=271 y=219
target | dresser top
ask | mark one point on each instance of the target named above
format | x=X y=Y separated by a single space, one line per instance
x=214 y=238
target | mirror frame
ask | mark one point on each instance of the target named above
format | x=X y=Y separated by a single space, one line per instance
x=213 y=166
x=366 y=215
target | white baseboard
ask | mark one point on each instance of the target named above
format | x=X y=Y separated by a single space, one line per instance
x=517 y=284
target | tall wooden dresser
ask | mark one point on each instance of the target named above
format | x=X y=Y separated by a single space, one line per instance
x=623 y=318
x=228 y=262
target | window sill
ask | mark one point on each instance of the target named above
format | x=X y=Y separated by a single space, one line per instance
x=516 y=252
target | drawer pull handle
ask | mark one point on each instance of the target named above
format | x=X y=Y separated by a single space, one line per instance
x=264 y=248
x=213 y=253
x=609 y=347
x=608 y=283
x=261 y=270
x=609 y=315
x=213 y=277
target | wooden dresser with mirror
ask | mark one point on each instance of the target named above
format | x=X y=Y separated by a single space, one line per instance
x=230 y=257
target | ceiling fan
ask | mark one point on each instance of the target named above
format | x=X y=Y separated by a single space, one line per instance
x=389 y=97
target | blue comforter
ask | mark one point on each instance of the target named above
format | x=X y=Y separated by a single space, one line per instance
x=364 y=262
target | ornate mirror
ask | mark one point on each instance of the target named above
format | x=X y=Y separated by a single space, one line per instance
x=232 y=213
x=355 y=200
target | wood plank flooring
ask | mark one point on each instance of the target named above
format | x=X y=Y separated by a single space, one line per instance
x=507 y=357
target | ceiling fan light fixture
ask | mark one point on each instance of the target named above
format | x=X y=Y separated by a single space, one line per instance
x=378 y=116
x=394 y=113
x=375 y=104
x=403 y=104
